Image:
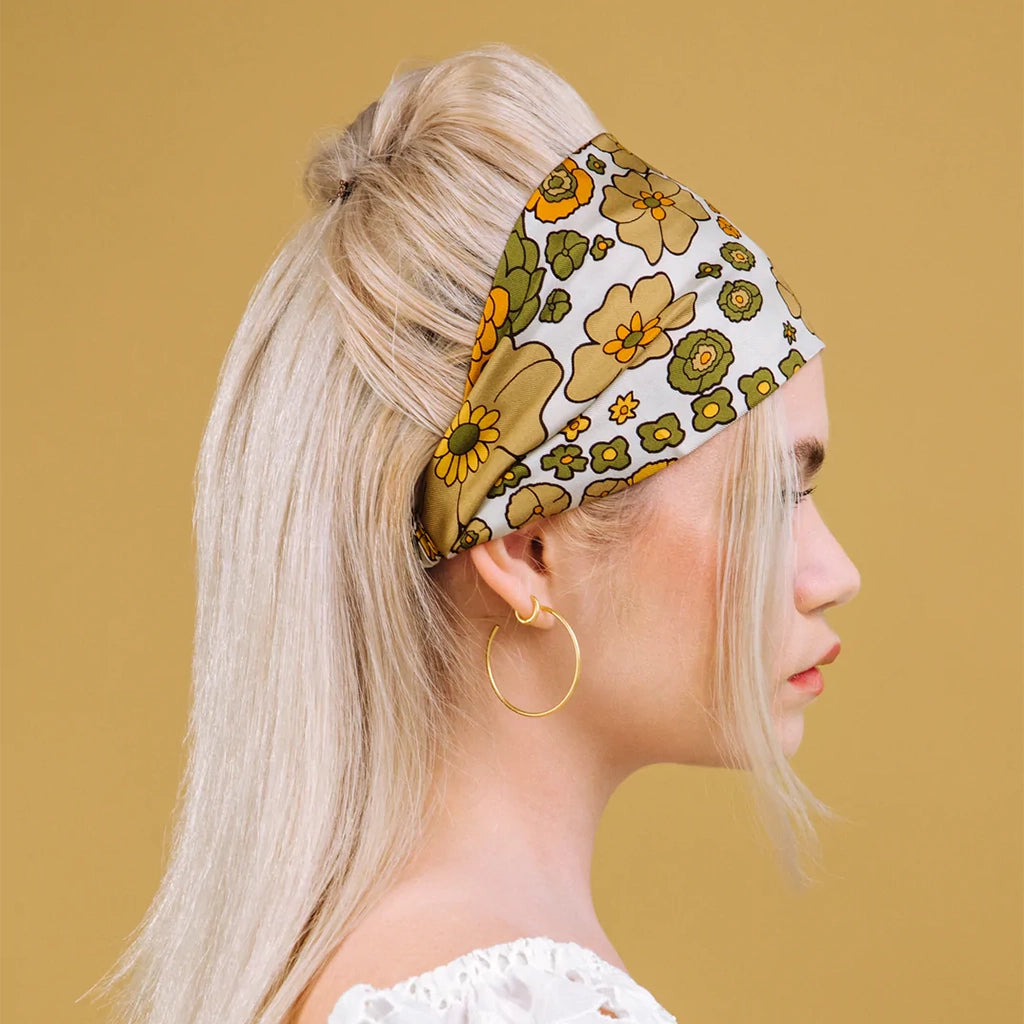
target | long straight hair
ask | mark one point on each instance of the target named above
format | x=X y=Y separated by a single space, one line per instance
x=325 y=657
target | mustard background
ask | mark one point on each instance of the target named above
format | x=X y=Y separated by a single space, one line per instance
x=151 y=163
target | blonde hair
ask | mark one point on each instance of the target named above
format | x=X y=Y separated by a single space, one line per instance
x=326 y=664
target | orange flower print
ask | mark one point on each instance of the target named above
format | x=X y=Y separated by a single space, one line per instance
x=623 y=408
x=627 y=339
x=494 y=316
x=653 y=203
x=728 y=228
x=565 y=189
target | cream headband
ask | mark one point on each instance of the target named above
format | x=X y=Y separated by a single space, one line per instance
x=628 y=322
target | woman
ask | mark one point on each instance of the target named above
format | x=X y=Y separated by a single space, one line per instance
x=438 y=620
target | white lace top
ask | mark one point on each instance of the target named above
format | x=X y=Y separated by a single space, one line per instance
x=527 y=981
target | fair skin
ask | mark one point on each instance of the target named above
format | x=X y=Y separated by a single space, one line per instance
x=510 y=853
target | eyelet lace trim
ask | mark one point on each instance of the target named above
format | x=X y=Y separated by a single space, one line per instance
x=533 y=980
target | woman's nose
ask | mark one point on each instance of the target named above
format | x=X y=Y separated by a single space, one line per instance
x=826 y=575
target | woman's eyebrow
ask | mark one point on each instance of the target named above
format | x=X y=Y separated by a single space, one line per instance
x=810 y=453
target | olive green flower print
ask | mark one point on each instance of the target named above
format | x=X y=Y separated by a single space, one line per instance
x=627 y=330
x=789 y=332
x=517 y=282
x=520 y=273
x=738 y=255
x=595 y=165
x=512 y=477
x=700 y=361
x=791 y=363
x=652 y=212
x=757 y=385
x=556 y=305
x=602 y=488
x=476 y=532
x=728 y=228
x=613 y=454
x=711 y=409
x=565 y=460
x=565 y=252
x=466 y=443
x=601 y=246
x=563 y=191
x=664 y=432
x=535 y=501
x=709 y=270
x=739 y=300
x=623 y=157
x=623 y=408
x=575 y=427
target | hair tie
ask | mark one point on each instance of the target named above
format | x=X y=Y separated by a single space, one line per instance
x=627 y=323
x=343 y=190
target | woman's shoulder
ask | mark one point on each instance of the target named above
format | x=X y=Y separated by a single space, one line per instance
x=533 y=979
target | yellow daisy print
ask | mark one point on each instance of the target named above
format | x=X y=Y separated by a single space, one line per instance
x=623 y=408
x=465 y=444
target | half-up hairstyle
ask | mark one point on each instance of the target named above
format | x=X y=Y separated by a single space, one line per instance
x=326 y=660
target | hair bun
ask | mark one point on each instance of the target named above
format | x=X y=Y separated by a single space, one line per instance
x=331 y=170
x=327 y=179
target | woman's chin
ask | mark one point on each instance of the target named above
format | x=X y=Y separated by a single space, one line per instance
x=790 y=730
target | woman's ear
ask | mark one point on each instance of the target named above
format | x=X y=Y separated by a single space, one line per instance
x=513 y=567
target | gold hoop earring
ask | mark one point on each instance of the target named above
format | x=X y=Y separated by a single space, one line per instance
x=537 y=609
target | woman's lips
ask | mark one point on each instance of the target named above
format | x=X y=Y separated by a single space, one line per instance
x=810 y=678
x=809 y=681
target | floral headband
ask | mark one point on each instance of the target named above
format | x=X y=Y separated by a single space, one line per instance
x=625 y=325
